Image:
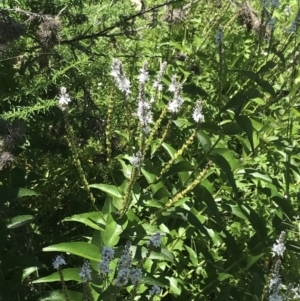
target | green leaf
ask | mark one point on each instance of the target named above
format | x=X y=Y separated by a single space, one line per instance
x=109 y=189
x=204 y=141
x=180 y=167
x=175 y=288
x=70 y=274
x=11 y=193
x=111 y=235
x=82 y=249
x=245 y=123
x=19 y=221
x=60 y=296
x=255 y=77
x=90 y=219
x=252 y=259
x=192 y=255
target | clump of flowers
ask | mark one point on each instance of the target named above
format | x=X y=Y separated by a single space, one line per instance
x=177 y=101
x=58 y=262
x=118 y=74
x=107 y=257
x=86 y=272
x=64 y=98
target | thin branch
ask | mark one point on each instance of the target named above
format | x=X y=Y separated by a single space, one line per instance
x=117 y=24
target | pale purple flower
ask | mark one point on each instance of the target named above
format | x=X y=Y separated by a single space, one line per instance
x=155 y=290
x=107 y=257
x=124 y=265
x=86 y=272
x=271 y=24
x=135 y=275
x=219 y=37
x=58 y=262
x=155 y=240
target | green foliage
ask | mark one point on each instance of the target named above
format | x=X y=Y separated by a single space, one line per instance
x=219 y=190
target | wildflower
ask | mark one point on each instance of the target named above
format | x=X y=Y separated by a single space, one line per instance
x=108 y=252
x=144 y=75
x=275 y=297
x=157 y=83
x=219 y=37
x=107 y=257
x=287 y=10
x=155 y=240
x=64 y=98
x=136 y=161
x=292 y=29
x=135 y=275
x=198 y=115
x=59 y=261
x=117 y=72
x=85 y=272
x=124 y=265
x=155 y=290
x=177 y=101
x=279 y=247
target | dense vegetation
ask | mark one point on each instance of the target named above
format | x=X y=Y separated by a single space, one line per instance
x=149 y=150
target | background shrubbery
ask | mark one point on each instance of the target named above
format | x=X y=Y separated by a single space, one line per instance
x=79 y=178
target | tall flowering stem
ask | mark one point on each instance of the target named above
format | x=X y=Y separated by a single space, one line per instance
x=63 y=104
x=108 y=127
x=181 y=194
x=57 y=264
x=179 y=153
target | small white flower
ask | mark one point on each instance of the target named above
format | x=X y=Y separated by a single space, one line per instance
x=58 y=262
x=64 y=98
x=275 y=297
x=175 y=104
x=144 y=75
x=198 y=115
x=136 y=160
x=279 y=247
x=288 y=10
x=85 y=272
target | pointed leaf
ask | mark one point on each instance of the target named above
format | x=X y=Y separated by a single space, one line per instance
x=109 y=189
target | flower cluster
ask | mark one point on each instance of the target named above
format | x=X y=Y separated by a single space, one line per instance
x=86 y=272
x=136 y=161
x=64 y=99
x=125 y=271
x=279 y=247
x=198 y=115
x=155 y=240
x=58 y=262
x=107 y=256
x=177 y=101
x=219 y=37
x=157 y=83
x=117 y=73
x=155 y=290
x=144 y=106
